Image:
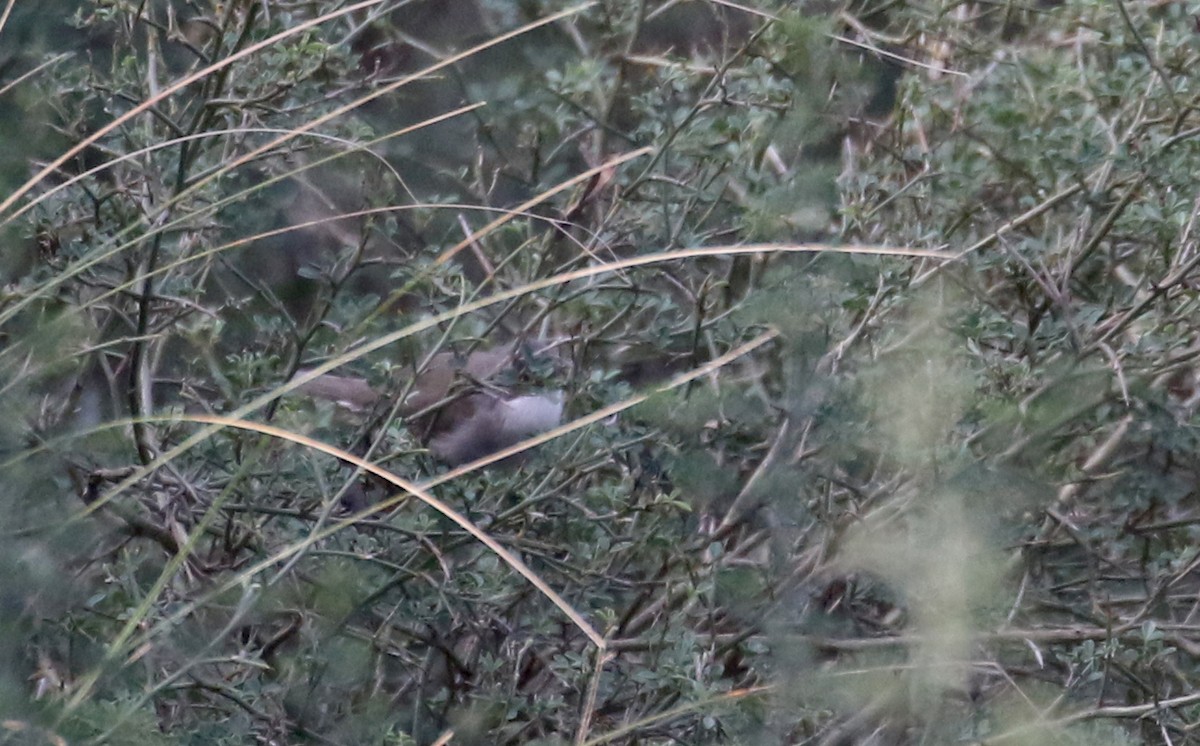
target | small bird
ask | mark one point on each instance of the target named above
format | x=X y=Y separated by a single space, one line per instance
x=495 y=424
x=454 y=406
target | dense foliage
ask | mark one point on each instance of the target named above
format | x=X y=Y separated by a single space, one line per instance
x=917 y=468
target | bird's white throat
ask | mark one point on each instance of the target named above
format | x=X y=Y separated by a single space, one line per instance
x=529 y=415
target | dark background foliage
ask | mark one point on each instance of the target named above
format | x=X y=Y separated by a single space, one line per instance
x=946 y=497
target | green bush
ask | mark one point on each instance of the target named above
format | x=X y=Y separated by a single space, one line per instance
x=917 y=470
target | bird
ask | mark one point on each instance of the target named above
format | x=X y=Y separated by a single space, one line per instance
x=495 y=423
x=456 y=406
